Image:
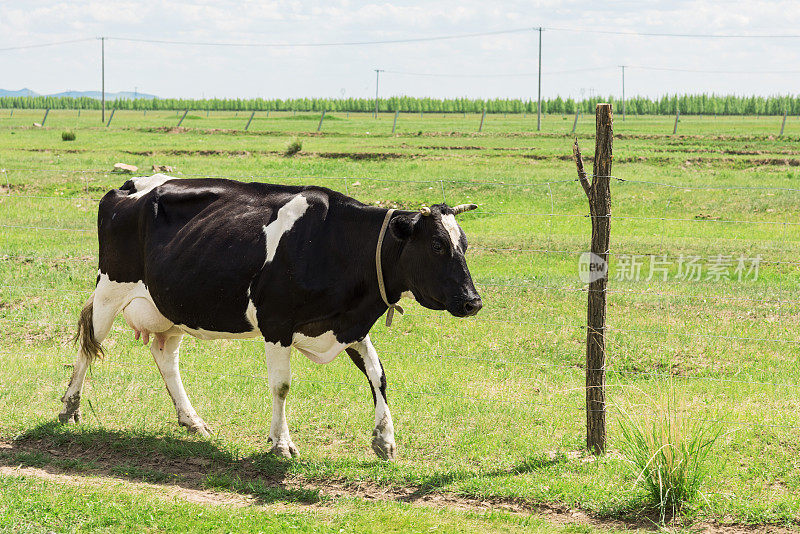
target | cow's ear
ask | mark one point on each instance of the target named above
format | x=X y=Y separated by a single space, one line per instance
x=402 y=226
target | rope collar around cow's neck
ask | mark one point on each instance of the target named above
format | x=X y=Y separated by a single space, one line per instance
x=381 y=286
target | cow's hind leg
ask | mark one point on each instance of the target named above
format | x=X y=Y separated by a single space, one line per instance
x=167 y=361
x=94 y=325
x=364 y=356
x=280 y=380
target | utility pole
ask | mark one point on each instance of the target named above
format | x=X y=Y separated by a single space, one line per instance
x=377 y=81
x=539 y=106
x=623 y=91
x=103 y=76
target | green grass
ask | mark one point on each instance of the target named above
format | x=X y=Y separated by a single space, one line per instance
x=490 y=406
x=31 y=505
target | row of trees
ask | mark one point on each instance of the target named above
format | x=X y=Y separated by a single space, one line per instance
x=701 y=104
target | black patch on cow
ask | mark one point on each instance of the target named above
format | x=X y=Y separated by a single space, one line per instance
x=359 y=361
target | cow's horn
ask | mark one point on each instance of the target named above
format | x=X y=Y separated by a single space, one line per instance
x=461 y=208
x=425 y=210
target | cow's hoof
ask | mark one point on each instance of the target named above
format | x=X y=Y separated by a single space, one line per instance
x=198 y=427
x=72 y=409
x=386 y=450
x=284 y=449
x=70 y=417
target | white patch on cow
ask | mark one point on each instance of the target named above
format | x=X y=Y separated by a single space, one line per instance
x=201 y=333
x=145 y=184
x=450 y=224
x=383 y=442
x=166 y=358
x=137 y=307
x=287 y=216
x=250 y=314
x=142 y=315
x=320 y=349
x=280 y=380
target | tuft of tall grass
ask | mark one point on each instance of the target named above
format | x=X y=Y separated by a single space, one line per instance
x=293 y=148
x=68 y=135
x=668 y=449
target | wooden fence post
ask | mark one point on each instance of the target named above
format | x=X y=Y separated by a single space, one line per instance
x=677 y=116
x=111 y=117
x=394 y=124
x=253 y=114
x=783 y=124
x=46 y=112
x=599 y=195
x=183 y=117
x=482 y=117
x=575 y=123
x=322 y=118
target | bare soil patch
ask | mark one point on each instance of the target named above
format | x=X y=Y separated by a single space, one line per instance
x=187 y=477
x=230 y=153
x=361 y=156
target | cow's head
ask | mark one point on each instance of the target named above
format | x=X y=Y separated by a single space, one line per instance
x=433 y=260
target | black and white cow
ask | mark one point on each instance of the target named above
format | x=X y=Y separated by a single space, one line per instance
x=302 y=267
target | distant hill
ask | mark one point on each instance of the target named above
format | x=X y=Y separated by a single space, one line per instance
x=21 y=92
x=78 y=94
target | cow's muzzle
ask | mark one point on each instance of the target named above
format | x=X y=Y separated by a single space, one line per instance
x=468 y=308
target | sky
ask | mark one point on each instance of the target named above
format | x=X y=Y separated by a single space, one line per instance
x=488 y=66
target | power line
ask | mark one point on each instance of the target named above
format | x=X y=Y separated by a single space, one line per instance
x=688 y=35
x=42 y=45
x=585 y=69
x=414 y=39
x=701 y=71
x=497 y=75
x=461 y=36
x=324 y=44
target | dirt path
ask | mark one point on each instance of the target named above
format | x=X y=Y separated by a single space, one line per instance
x=191 y=475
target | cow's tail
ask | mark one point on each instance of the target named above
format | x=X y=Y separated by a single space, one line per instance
x=85 y=334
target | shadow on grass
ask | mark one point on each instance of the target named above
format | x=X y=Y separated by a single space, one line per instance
x=158 y=459
x=193 y=463
x=437 y=481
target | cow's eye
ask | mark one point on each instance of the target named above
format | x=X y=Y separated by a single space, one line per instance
x=437 y=246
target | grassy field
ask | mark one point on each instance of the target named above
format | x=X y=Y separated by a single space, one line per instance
x=486 y=409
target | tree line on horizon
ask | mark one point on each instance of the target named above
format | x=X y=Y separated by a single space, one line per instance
x=698 y=104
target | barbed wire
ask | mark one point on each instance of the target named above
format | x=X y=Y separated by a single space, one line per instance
x=480 y=283
x=511 y=213
x=550 y=324
x=490 y=248
x=394 y=389
x=118 y=329
x=619 y=179
x=708 y=187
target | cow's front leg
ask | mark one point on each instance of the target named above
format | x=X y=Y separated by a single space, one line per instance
x=364 y=356
x=280 y=380
x=165 y=353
